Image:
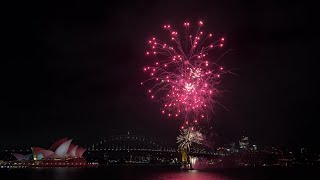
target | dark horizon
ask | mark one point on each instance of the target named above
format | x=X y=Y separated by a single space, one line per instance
x=74 y=70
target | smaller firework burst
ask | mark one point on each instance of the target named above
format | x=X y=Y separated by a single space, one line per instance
x=187 y=137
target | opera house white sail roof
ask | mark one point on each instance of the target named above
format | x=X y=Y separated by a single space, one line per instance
x=61 y=149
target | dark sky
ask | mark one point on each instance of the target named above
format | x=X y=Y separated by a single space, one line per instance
x=74 y=70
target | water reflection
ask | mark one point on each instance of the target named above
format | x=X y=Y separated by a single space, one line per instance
x=58 y=173
x=188 y=175
x=65 y=173
x=156 y=173
x=122 y=172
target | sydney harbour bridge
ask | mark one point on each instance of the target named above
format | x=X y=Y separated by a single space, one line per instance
x=130 y=147
x=130 y=142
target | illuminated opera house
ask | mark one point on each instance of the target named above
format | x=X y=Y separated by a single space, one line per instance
x=61 y=153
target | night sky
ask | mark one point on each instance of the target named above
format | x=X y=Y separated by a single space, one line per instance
x=74 y=70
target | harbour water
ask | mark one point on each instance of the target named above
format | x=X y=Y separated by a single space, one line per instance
x=158 y=173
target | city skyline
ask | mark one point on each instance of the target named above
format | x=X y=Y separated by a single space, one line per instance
x=76 y=72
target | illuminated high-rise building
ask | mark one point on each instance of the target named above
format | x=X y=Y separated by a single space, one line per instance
x=244 y=142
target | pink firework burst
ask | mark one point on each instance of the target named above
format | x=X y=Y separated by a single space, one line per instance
x=183 y=77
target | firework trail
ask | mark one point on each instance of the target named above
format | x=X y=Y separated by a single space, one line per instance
x=183 y=77
x=187 y=137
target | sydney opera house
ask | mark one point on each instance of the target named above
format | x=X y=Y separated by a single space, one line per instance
x=61 y=153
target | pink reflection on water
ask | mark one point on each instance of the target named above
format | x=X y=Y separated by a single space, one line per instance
x=189 y=175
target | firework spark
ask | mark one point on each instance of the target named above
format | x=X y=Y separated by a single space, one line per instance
x=183 y=77
x=187 y=137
